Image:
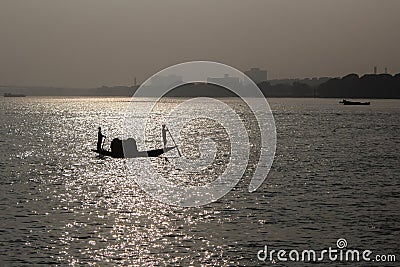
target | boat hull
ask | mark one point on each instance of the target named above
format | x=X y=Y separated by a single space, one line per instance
x=13 y=95
x=354 y=103
x=139 y=154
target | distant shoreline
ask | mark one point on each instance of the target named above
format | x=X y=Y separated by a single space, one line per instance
x=369 y=86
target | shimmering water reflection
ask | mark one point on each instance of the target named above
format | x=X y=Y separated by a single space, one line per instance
x=336 y=175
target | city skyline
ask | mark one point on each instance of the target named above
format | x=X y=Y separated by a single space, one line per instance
x=155 y=78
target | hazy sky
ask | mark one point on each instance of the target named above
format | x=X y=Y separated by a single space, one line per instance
x=89 y=43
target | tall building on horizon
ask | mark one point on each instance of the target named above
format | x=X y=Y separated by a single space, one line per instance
x=257 y=75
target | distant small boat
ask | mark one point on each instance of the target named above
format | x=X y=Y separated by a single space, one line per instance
x=347 y=102
x=13 y=95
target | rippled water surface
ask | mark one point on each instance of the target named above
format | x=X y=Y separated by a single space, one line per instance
x=335 y=175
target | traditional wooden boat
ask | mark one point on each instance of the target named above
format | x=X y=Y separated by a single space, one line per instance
x=128 y=148
x=135 y=154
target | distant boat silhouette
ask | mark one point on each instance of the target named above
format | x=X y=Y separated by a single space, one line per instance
x=13 y=95
x=347 y=102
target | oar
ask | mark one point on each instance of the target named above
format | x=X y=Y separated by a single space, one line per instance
x=179 y=152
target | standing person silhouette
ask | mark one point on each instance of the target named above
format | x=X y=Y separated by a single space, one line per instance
x=100 y=137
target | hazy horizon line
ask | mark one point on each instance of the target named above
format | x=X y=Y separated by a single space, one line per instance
x=139 y=83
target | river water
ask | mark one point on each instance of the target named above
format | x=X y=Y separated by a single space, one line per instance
x=336 y=174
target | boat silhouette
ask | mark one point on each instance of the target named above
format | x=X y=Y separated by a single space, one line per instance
x=128 y=149
x=136 y=154
x=13 y=95
x=348 y=102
